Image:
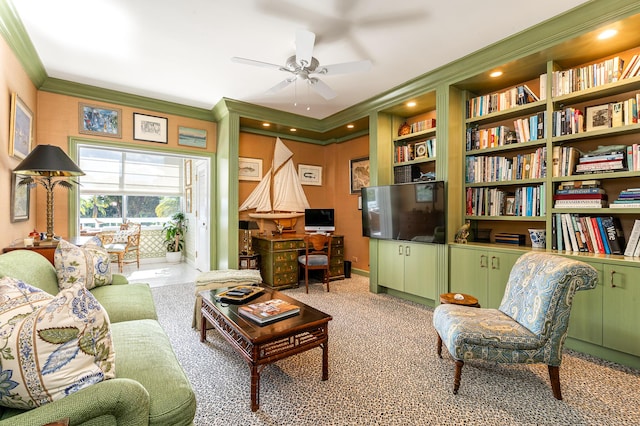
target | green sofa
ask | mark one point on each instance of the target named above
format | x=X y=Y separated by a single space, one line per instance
x=150 y=387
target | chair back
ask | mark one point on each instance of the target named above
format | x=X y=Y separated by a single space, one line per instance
x=540 y=291
x=317 y=245
x=133 y=231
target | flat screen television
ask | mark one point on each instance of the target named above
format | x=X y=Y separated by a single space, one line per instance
x=319 y=220
x=407 y=212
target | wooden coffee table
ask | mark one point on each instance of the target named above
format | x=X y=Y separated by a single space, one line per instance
x=263 y=345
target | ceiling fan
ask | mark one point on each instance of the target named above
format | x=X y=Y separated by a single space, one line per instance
x=303 y=66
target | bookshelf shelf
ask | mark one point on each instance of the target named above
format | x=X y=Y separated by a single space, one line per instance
x=416 y=135
x=521 y=110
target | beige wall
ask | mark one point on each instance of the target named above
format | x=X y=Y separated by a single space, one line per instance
x=334 y=192
x=13 y=79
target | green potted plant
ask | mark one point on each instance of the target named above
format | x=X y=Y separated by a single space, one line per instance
x=174 y=232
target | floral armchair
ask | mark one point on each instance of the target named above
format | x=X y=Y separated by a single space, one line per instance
x=530 y=325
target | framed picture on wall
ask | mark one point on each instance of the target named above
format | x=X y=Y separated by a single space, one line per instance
x=359 y=174
x=249 y=168
x=192 y=137
x=100 y=121
x=187 y=173
x=187 y=200
x=310 y=175
x=149 y=128
x=20 y=128
x=19 y=200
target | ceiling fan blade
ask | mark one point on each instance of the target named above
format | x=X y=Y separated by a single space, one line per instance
x=284 y=83
x=255 y=63
x=345 y=68
x=304 y=47
x=322 y=88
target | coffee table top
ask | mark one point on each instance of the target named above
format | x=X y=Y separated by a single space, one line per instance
x=307 y=317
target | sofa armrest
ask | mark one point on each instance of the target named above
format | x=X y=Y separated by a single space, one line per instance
x=118 y=279
x=116 y=401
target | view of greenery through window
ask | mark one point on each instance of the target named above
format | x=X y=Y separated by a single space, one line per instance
x=152 y=210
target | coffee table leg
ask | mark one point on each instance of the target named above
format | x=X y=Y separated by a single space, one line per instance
x=255 y=388
x=203 y=328
x=325 y=360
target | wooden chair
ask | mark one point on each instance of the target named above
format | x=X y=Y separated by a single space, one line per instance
x=122 y=242
x=317 y=256
x=530 y=325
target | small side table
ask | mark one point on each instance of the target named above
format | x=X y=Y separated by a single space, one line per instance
x=449 y=298
x=249 y=261
x=466 y=301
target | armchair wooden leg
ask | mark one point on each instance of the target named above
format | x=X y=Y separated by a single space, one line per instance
x=439 y=346
x=554 y=376
x=326 y=278
x=456 y=377
x=306 y=279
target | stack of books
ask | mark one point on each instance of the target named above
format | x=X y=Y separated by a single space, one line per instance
x=629 y=198
x=507 y=238
x=573 y=232
x=580 y=194
x=269 y=311
x=613 y=161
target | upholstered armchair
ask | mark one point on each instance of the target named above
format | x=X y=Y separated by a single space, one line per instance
x=119 y=243
x=530 y=325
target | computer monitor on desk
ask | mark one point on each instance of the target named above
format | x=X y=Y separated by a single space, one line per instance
x=319 y=220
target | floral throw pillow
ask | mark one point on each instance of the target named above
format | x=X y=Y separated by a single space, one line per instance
x=51 y=346
x=89 y=264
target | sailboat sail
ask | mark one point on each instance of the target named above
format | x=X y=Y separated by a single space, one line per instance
x=288 y=195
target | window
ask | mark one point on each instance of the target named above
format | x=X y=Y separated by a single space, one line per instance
x=121 y=185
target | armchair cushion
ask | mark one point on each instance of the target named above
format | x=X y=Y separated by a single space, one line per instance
x=52 y=346
x=89 y=264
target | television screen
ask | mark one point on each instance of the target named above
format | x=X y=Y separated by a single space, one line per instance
x=407 y=212
x=319 y=220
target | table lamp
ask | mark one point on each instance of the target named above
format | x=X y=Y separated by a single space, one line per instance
x=247 y=226
x=49 y=166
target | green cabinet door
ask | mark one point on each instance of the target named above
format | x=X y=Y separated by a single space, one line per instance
x=468 y=272
x=621 y=316
x=498 y=270
x=585 y=322
x=391 y=256
x=420 y=270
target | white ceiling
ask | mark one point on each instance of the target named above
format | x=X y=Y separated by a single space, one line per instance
x=180 y=51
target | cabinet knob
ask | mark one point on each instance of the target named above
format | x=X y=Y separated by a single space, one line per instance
x=612 y=284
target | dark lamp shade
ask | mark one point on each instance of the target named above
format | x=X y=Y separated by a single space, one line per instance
x=247 y=224
x=48 y=160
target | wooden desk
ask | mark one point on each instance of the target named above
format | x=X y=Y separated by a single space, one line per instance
x=279 y=258
x=47 y=249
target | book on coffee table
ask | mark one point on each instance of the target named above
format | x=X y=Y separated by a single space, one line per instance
x=269 y=311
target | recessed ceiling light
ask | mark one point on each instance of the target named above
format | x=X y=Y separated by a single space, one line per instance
x=607 y=34
x=411 y=103
x=293 y=130
x=495 y=74
x=266 y=124
x=350 y=126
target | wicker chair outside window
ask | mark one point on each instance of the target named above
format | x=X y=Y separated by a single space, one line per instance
x=122 y=242
x=530 y=325
x=317 y=256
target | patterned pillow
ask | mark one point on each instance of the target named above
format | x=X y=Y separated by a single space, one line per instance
x=89 y=264
x=122 y=235
x=51 y=346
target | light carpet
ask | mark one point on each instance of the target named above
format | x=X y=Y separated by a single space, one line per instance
x=383 y=370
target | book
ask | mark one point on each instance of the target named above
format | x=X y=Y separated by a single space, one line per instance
x=580 y=196
x=634 y=237
x=613 y=231
x=571 y=232
x=592 y=235
x=603 y=236
x=591 y=183
x=582 y=191
x=580 y=204
x=269 y=311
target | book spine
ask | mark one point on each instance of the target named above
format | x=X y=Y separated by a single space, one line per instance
x=603 y=236
x=577 y=229
x=585 y=232
x=572 y=233
x=634 y=237
x=612 y=235
x=592 y=234
x=558 y=221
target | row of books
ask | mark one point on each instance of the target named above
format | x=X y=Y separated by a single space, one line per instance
x=531 y=128
x=409 y=152
x=500 y=169
x=564 y=160
x=508 y=238
x=526 y=129
x=594 y=75
x=629 y=198
x=500 y=101
x=612 y=161
x=405 y=174
x=525 y=201
x=589 y=234
x=421 y=126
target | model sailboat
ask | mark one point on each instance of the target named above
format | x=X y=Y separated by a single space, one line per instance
x=279 y=195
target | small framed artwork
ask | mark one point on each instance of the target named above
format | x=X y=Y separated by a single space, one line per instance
x=249 y=168
x=192 y=137
x=95 y=120
x=187 y=172
x=510 y=206
x=598 y=117
x=20 y=128
x=420 y=149
x=149 y=128
x=187 y=200
x=359 y=174
x=19 y=200
x=310 y=175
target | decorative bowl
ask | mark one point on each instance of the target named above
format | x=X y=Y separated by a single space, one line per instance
x=538 y=238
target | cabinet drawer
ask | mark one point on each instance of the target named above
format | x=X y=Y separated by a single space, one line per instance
x=336 y=270
x=285 y=267
x=285 y=279
x=287 y=245
x=337 y=251
x=285 y=256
